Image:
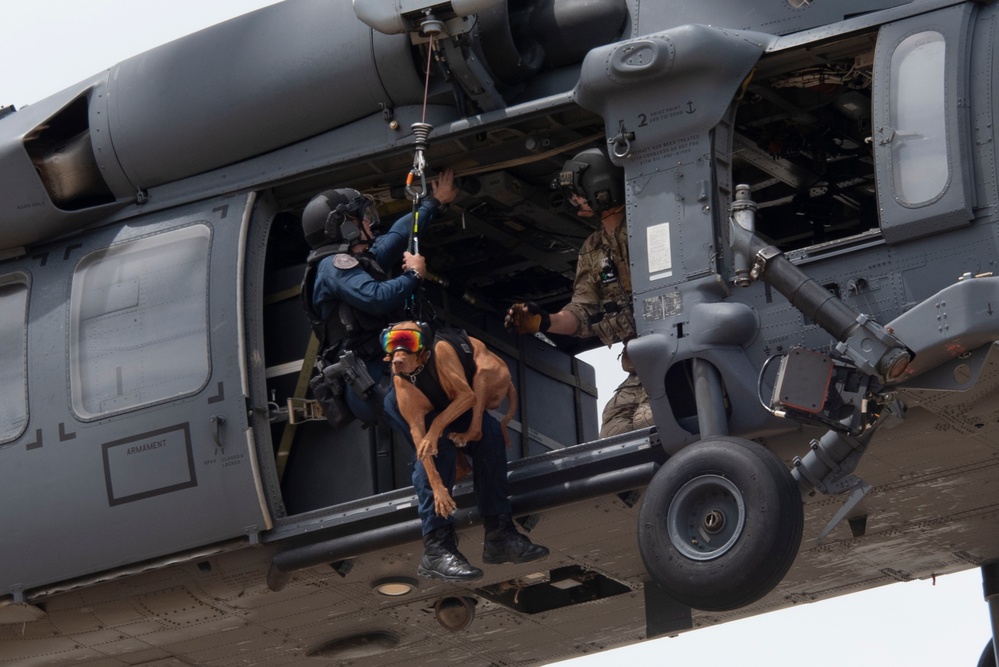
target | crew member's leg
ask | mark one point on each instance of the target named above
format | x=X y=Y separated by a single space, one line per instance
x=369 y=410
x=441 y=558
x=394 y=417
x=503 y=542
x=424 y=493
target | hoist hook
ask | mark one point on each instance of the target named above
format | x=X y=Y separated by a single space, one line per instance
x=421 y=131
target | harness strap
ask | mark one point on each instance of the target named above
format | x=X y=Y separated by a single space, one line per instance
x=288 y=433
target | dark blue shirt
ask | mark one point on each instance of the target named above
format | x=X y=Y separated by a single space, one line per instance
x=358 y=289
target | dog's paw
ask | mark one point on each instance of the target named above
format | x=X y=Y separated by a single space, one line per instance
x=444 y=504
x=426 y=448
x=462 y=439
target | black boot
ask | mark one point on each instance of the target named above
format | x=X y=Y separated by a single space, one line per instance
x=442 y=560
x=503 y=544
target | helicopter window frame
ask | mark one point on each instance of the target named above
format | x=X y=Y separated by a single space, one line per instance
x=918 y=118
x=144 y=303
x=943 y=206
x=15 y=289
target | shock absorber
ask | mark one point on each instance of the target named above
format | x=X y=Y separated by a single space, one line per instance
x=866 y=343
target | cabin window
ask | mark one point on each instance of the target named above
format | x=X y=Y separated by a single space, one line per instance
x=918 y=119
x=139 y=322
x=13 y=356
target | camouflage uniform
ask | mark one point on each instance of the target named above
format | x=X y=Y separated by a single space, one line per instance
x=601 y=302
x=629 y=407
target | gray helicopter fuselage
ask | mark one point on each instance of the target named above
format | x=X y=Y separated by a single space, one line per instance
x=151 y=251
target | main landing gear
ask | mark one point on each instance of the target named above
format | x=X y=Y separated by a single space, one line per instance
x=720 y=524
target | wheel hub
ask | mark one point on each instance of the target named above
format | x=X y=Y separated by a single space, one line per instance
x=714 y=521
x=706 y=517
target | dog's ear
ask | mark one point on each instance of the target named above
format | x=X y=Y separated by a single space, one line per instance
x=428 y=334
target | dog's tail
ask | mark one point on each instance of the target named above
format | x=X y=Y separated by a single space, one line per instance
x=511 y=400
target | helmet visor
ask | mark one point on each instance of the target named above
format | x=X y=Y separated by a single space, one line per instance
x=402 y=339
x=364 y=208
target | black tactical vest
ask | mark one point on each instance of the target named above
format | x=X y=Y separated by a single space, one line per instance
x=429 y=383
x=348 y=328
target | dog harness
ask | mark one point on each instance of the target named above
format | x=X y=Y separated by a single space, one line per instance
x=426 y=378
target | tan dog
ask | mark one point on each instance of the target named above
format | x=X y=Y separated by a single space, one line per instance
x=490 y=385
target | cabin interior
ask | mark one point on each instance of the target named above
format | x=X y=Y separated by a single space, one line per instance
x=802 y=143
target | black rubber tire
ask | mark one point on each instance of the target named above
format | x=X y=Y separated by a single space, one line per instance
x=743 y=494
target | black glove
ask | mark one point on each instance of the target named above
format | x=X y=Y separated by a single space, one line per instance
x=527 y=318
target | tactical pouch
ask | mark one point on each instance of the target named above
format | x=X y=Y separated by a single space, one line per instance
x=329 y=395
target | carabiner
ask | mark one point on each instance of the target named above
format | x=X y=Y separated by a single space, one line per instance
x=416 y=195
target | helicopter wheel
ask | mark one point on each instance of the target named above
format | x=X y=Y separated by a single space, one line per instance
x=720 y=524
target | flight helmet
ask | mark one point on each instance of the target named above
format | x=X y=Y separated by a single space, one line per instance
x=334 y=216
x=592 y=176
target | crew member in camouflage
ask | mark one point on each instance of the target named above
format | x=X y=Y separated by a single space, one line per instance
x=601 y=299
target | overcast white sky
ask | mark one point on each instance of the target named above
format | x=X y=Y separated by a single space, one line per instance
x=49 y=45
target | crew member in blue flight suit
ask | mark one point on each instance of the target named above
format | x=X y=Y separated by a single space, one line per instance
x=347 y=291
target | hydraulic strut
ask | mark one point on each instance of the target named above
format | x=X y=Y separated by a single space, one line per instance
x=874 y=350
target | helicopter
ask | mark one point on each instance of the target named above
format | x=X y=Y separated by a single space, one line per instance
x=791 y=174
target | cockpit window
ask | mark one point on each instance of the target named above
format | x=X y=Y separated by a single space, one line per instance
x=918 y=119
x=13 y=356
x=139 y=322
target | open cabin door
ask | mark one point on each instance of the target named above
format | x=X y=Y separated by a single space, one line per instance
x=135 y=443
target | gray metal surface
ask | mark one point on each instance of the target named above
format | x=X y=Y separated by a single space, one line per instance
x=114 y=489
x=919 y=524
x=109 y=562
